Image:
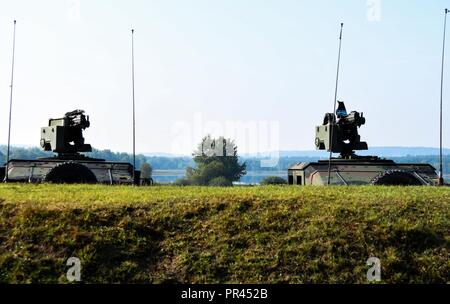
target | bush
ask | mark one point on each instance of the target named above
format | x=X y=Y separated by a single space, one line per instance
x=220 y=182
x=215 y=158
x=182 y=182
x=146 y=170
x=210 y=171
x=273 y=180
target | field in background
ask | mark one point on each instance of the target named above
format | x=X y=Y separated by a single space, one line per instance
x=215 y=235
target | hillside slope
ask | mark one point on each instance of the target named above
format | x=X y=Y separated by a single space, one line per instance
x=215 y=235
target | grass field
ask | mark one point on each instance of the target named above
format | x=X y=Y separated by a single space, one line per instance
x=224 y=235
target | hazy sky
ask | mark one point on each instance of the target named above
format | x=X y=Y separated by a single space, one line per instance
x=202 y=66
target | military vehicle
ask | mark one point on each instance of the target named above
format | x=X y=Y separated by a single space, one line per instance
x=339 y=134
x=64 y=136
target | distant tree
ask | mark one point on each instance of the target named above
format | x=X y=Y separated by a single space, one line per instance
x=146 y=174
x=215 y=158
x=146 y=170
x=273 y=180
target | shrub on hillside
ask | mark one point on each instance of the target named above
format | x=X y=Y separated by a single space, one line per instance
x=273 y=180
x=182 y=182
x=220 y=182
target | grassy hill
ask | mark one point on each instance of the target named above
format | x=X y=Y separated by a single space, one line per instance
x=215 y=235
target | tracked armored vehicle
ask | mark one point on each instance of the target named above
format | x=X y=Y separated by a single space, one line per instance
x=339 y=134
x=64 y=136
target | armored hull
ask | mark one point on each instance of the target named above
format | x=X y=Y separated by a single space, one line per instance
x=70 y=171
x=362 y=172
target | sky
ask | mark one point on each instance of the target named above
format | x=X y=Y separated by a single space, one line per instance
x=260 y=72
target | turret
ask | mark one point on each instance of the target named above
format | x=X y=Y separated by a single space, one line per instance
x=339 y=132
x=65 y=135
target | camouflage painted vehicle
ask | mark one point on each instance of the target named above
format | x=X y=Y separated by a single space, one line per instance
x=362 y=172
x=339 y=134
x=64 y=136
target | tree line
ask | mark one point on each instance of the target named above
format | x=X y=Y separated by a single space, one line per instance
x=182 y=163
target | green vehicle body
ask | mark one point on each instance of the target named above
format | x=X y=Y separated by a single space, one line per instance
x=37 y=171
x=64 y=136
x=357 y=172
x=339 y=134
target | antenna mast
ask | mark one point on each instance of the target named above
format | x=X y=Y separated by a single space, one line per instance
x=441 y=176
x=334 y=104
x=10 y=104
x=134 y=115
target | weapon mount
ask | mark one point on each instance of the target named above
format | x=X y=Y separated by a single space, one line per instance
x=65 y=135
x=339 y=133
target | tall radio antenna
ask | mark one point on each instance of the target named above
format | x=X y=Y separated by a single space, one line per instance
x=134 y=113
x=10 y=104
x=441 y=175
x=334 y=105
